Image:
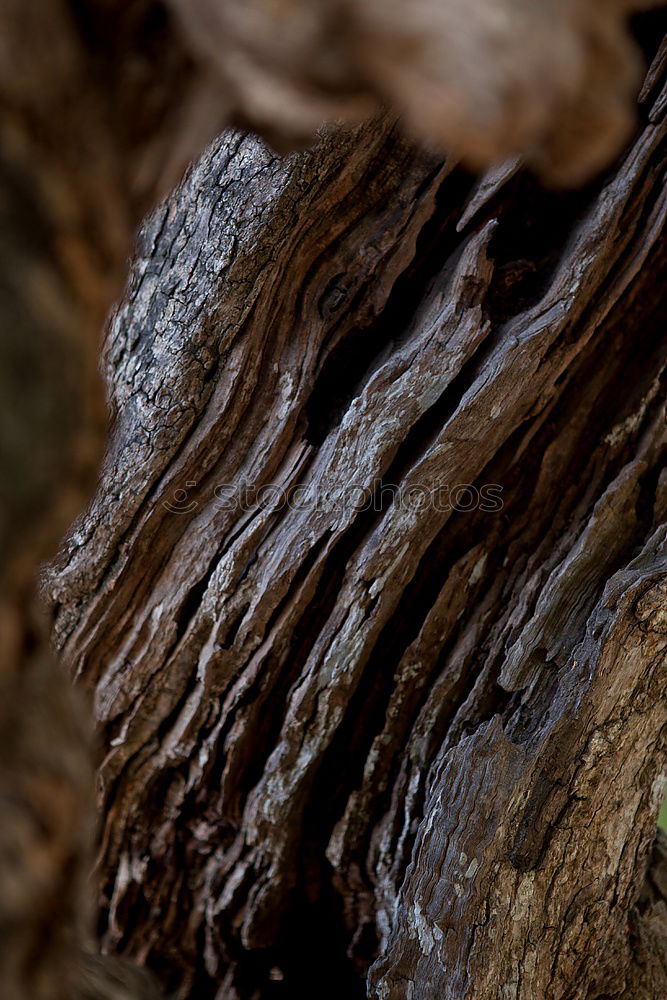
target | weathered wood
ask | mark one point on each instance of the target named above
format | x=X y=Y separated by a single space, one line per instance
x=410 y=738
x=103 y=104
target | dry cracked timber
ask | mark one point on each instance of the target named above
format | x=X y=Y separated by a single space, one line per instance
x=373 y=737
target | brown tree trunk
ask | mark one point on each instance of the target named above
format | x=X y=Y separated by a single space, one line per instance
x=398 y=719
x=370 y=600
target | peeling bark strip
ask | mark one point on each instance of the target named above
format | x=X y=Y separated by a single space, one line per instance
x=410 y=741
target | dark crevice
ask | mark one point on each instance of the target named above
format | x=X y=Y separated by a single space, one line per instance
x=234 y=627
x=272 y=683
x=537 y=827
x=351 y=362
x=648 y=29
x=529 y=242
x=308 y=941
x=192 y=602
x=524 y=719
x=604 y=291
x=166 y=724
x=648 y=484
x=311 y=939
x=426 y=430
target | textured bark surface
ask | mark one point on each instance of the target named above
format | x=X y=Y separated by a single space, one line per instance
x=103 y=102
x=396 y=739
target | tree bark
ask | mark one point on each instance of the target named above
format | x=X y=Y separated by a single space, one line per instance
x=383 y=634
x=382 y=730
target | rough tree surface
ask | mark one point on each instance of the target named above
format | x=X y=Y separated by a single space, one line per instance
x=369 y=737
x=286 y=696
